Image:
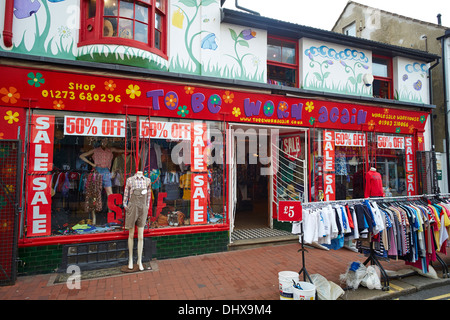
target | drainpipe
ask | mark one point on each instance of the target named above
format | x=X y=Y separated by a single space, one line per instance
x=433 y=147
x=245 y=9
x=445 y=84
x=8 y=23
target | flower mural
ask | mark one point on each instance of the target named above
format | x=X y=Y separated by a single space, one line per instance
x=236 y=112
x=110 y=85
x=189 y=89
x=35 y=80
x=58 y=105
x=241 y=40
x=182 y=111
x=170 y=101
x=228 y=97
x=10 y=96
x=11 y=117
x=133 y=91
x=309 y=106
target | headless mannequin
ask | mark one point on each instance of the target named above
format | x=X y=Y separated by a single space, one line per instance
x=140 y=244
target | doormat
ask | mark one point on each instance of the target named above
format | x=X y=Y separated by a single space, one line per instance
x=244 y=234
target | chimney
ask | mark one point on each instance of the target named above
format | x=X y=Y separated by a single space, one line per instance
x=439 y=19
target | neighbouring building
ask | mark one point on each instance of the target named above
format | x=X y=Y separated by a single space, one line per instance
x=365 y=22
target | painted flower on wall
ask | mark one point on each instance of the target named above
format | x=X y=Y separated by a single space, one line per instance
x=189 y=89
x=183 y=111
x=405 y=77
x=10 y=96
x=25 y=8
x=398 y=130
x=312 y=120
x=269 y=108
x=236 y=112
x=228 y=97
x=371 y=125
x=417 y=85
x=309 y=106
x=133 y=91
x=11 y=117
x=214 y=99
x=110 y=85
x=411 y=129
x=248 y=34
x=423 y=119
x=283 y=106
x=35 y=80
x=209 y=42
x=58 y=105
x=170 y=101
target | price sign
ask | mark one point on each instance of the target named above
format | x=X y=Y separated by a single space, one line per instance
x=165 y=130
x=90 y=126
x=290 y=211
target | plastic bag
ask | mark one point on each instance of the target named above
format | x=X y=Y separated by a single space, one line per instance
x=372 y=279
x=326 y=290
x=354 y=275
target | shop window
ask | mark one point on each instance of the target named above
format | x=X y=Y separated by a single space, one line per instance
x=387 y=154
x=350 y=30
x=282 y=62
x=382 y=73
x=138 y=23
x=80 y=184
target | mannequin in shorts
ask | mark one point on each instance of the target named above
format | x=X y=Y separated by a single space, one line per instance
x=136 y=203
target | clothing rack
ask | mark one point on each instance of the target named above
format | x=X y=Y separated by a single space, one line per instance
x=372 y=257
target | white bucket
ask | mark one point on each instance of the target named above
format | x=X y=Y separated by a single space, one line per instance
x=307 y=291
x=286 y=285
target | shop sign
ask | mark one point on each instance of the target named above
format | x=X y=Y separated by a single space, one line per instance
x=390 y=142
x=39 y=180
x=292 y=147
x=95 y=127
x=329 y=165
x=199 y=175
x=350 y=139
x=87 y=93
x=290 y=211
x=410 y=176
x=165 y=130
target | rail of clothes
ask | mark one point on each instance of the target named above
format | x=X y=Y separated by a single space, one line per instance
x=413 y=231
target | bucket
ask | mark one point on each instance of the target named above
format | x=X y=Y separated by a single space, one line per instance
x=286 y=284
x=307 y=291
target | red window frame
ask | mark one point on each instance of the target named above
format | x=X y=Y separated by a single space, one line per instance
x=389 y=78
x=92 y=25
x=283 y=64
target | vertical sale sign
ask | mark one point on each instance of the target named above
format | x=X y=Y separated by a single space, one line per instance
x=410 y=177
x=329 y=166
x=39 y=179
x=199 y=176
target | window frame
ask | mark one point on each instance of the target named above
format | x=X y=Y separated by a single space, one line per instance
x=291 y=66
x=91 y=28
x=390 y=75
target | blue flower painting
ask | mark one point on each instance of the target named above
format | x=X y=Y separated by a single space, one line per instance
x=25 y=8
x=209 y=42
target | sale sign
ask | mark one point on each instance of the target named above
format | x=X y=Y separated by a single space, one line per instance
x=409 y=165
x=290 y=211
x=40 y=164
x=292 y=147
x=350 y=139
x=390 y=142
x=329 y=165
x=91 y=126
x=165 y=130
x=199 y=176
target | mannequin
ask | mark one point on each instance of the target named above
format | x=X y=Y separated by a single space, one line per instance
x=136 y=202
x=102 y=157
x=374 y=184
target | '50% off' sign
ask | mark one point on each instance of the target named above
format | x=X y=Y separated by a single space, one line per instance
x=90 y=126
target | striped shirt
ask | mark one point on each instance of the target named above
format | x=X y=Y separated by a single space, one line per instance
x=136 y=182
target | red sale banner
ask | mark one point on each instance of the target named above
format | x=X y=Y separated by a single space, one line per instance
x=328 y=151
x=39 y=179
x=91 y=126
x=290 y=211
x=199 y=200
x=329 y=186
x=410 y=178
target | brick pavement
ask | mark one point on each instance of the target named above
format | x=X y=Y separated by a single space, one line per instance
x=250 y=274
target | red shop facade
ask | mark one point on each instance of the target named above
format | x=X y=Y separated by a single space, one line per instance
x=183 y=136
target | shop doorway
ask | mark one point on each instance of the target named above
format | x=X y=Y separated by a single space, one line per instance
x=261 y=171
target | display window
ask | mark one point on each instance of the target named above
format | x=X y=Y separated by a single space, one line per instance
x=79 y=166
x=338 y=164
x=393 y=157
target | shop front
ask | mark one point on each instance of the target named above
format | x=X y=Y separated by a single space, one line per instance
x=219 y=158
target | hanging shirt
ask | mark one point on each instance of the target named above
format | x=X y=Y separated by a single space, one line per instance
x=136 y=182
x=374 y=185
